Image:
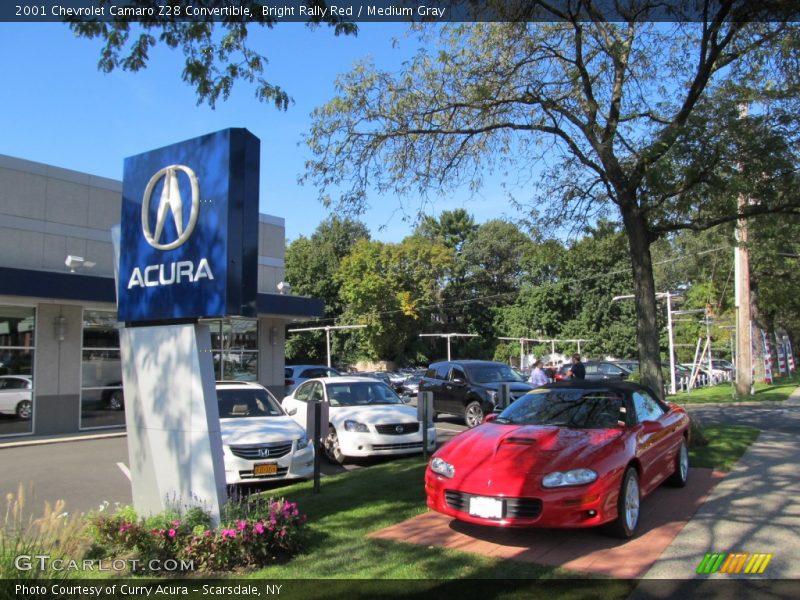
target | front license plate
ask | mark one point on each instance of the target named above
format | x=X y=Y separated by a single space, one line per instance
x=259 y=470
x=488 y=508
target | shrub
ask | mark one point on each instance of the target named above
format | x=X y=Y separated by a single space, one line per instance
x=250 y=535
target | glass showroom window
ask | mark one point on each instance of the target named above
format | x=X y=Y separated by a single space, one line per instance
x=16 y=369
x=235 y=346
x=102 y=401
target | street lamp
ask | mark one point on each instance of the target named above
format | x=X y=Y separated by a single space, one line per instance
x=448 y=336
x=328 y=329
x=669 y=296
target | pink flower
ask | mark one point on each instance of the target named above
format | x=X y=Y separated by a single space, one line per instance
x=241 y=524
x=207 y=533
x=172 y=533
x=259 y=528
x=176 y=523
x=226 y=533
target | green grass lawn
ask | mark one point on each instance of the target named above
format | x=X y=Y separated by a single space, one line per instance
x=725 y=445
x=725 y=392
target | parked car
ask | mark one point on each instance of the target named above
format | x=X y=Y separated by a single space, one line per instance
x=15 y=396
x=469 y=388
x=378 y=375
x=366 y=417
x=602 y=370
x=572 y=454
x=114 y=398
x=260 y=441
x=294 y=375
x=410 y=386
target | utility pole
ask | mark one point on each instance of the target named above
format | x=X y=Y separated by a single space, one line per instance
x=744 y=342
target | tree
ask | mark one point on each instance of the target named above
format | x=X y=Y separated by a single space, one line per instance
x=451 y=229
x=391 y=288
x=218 y=53
x=311 y=265
x=632 y=119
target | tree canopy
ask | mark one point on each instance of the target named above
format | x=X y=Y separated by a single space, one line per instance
x=634 y=120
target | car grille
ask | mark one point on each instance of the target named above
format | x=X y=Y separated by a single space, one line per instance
x=412 y=446
x=513 y=508
x=261 y=451
x=392 y=429
x=249 y=474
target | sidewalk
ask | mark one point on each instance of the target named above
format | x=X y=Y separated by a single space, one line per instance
x=754 y=509
x=33 y=440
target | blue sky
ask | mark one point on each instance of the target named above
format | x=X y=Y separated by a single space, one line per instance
x=57 y=108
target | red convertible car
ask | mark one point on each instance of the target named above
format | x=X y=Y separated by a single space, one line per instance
x=572 y=454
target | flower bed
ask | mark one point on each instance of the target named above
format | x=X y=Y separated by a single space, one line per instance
x=268 y=531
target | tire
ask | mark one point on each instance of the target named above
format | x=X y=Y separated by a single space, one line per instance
x=24 y=410
x=332 y=450
x=628 y=506
x=681 y=474
x=116 y=401
x=473 y=414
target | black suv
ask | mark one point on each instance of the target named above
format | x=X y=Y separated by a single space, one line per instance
x=469 y=388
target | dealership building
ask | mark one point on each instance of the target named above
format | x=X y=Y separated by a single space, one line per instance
x=59 y=345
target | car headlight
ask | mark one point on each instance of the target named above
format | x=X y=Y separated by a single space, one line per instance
x=302 y=442
x=443 y=468
x=574 y=477
x=355 y=426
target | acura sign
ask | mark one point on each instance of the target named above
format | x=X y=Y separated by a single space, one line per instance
x=189 y=233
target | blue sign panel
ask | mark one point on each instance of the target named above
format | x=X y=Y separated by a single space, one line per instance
x=189 y=232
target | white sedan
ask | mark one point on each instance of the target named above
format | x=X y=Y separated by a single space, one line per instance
x=260 y=442
x=366 y=417
x=15 y=396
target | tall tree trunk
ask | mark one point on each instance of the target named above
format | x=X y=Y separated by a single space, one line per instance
x=647 y=332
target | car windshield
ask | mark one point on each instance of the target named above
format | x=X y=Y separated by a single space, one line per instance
x=580 y=409
x=238 y=403
x=361 y=393
x=493 y=374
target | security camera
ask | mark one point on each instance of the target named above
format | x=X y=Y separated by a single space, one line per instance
x=75 y=262
x=284 y=288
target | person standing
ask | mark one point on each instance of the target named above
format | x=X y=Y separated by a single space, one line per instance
x=578 y=371
x=538 y=376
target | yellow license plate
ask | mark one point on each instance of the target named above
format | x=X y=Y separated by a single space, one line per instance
x=259 y=470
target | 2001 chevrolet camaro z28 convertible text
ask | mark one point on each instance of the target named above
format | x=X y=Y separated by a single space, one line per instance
x=573 y=454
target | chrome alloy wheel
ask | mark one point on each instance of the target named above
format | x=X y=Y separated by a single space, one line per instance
x=632 y=503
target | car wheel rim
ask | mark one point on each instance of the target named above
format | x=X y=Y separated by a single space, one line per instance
x=474 y=415
x=684 y=462
x=24 y=410
x=632 y=504
x=116 y=402
x=332 y=446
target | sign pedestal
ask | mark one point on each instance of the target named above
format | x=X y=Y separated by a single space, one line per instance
x=172 y=415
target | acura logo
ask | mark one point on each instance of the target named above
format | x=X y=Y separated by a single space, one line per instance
x=399 y=429
x=171 y=202
x=263 y=452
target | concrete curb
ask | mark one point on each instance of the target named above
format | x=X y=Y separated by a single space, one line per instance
x=59 y=440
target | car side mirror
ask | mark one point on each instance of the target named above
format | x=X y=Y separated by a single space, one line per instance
x=651 y=426
x=459 y=380
x=292 y=411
